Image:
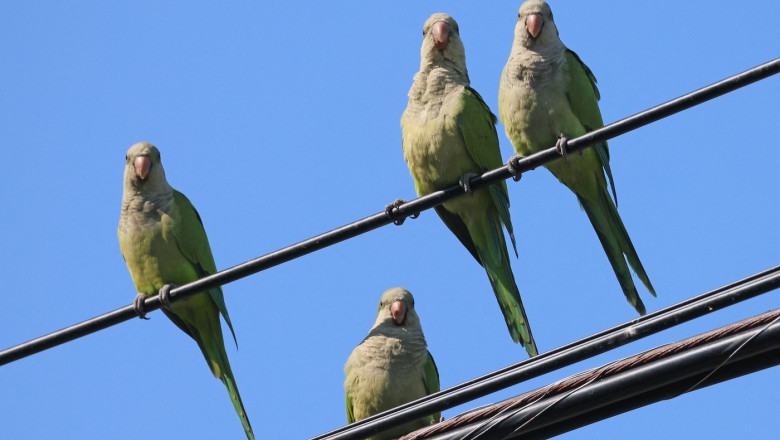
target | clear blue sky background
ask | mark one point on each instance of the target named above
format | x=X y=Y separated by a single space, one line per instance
x=281 y=121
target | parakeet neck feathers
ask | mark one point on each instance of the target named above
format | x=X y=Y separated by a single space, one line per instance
x=140 y=208
x=536 y=67
x=404 y=343
x=431 y=86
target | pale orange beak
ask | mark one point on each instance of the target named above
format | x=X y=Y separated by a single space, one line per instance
x=398 y=310
x=142 y=165
x=441 y=35
x=534 y=24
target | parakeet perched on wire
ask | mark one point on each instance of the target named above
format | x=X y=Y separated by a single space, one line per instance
x=449 y=135
x=391 y=366
x=548 y=94
x=163 y=242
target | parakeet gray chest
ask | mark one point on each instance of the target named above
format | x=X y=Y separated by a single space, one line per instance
x=433 y=146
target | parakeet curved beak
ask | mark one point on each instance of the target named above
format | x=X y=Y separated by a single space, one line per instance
x=142 y=164
x=398 y=310
x=534 y=24
x=441 y=35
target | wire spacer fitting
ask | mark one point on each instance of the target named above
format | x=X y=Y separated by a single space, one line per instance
x=398 y=220
x=562 y=146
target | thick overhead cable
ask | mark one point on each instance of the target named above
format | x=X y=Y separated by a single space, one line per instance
x=661 y=373
x=517 y=167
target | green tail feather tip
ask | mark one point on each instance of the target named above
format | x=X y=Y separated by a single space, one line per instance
x=523 y=338
x=639 y=306
x=520 y=330
x=239 y=406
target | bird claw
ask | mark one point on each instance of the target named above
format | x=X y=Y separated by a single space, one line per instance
x=138 y=305
x=397 y=204
x=165 y=294
x=465 y=182
x=562 y=146
x=514 y=167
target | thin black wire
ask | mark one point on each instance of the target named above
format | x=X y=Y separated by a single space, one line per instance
x=563 y=356
x=398 y=214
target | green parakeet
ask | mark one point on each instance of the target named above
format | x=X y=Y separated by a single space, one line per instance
x=163 y=242
x=547 y=93
x=449 y=134
x=392 y=365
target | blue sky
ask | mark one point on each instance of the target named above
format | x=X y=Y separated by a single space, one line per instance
x=281 y=121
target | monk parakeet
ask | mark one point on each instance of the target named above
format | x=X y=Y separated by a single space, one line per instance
x=548 y=94
x=449 y=135
x=392 y=365
x=163 y=242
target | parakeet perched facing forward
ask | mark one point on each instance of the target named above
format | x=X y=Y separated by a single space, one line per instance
x=546 y=94
x=163 y=242
x=391 y=366
x=449 y=134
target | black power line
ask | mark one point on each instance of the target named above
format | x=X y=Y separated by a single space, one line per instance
x=560 y=357
x=661 y=373
x=519 y=165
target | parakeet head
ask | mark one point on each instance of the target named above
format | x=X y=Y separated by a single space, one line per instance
x=143 y=168
x=535 y=25
x=396 y=307
x=441 y=42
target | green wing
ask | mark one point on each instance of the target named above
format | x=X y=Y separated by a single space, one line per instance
x=477 y=125
x=194 y=245
x=350 y=414
x=431 y=383
x=583 y=98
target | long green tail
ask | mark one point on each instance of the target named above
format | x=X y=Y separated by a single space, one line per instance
x=217 y=359
x=617 y=245
x=230 y=383
x=495 y=260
